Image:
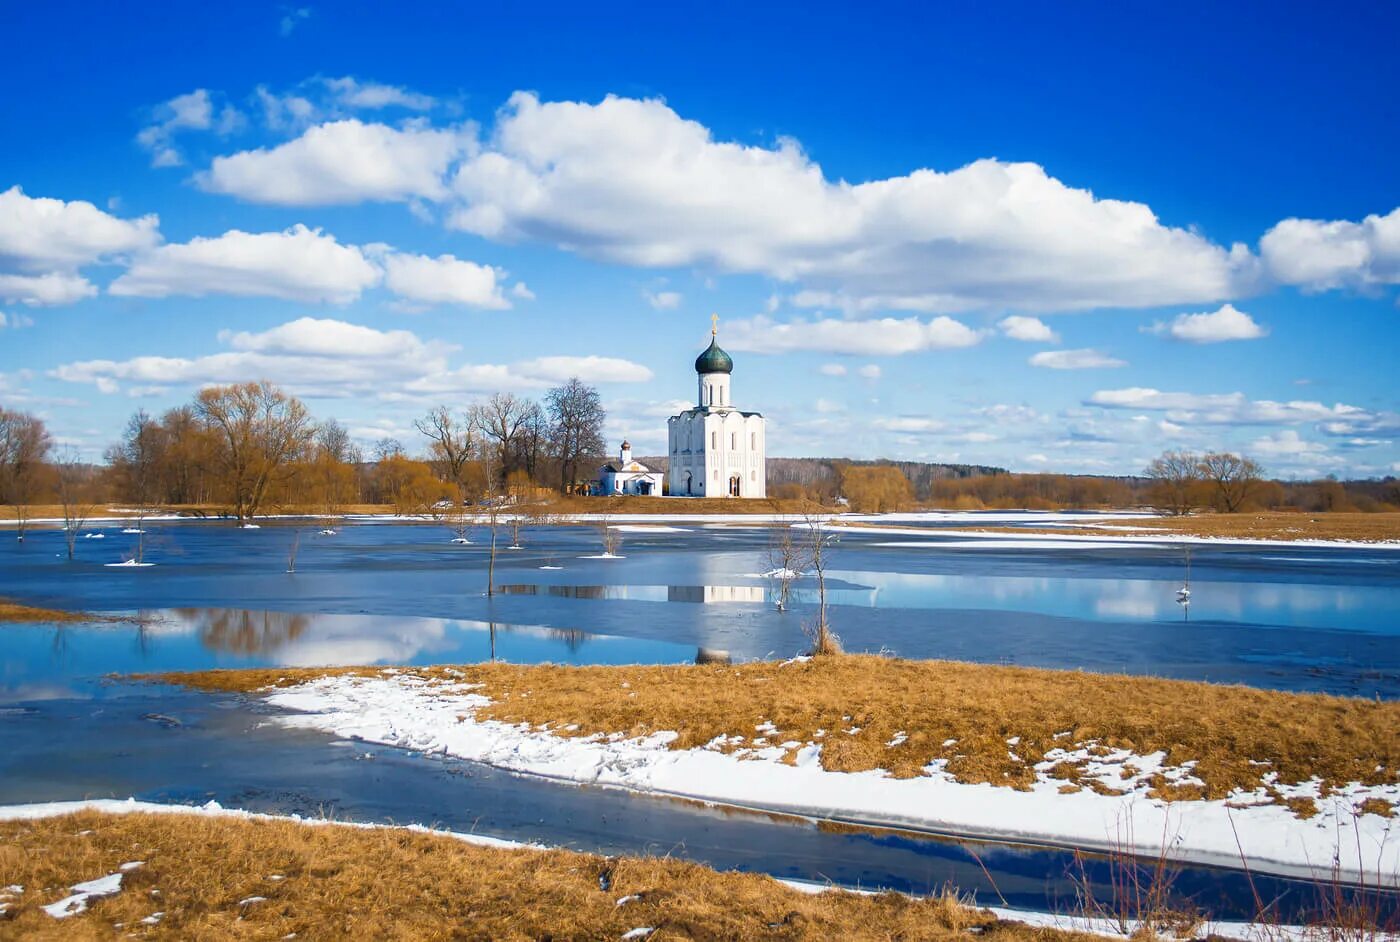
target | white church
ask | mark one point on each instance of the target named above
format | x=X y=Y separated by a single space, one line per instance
x=629 y=476
x=715 y=449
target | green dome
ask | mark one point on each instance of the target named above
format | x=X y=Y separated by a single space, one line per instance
x=714 y=360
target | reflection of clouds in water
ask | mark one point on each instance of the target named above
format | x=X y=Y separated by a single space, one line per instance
x=1126 y=607
x=1300 y=604
x=298 y=639
x=20 y=693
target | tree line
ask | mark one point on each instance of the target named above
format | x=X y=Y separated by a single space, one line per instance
x=251 y=447
x=248 y=447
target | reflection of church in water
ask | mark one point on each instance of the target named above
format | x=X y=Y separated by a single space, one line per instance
x=715 y=449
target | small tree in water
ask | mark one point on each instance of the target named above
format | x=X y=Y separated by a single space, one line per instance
x=75 y=494
x=824 y=640
x=787 y=557
x=612 y=539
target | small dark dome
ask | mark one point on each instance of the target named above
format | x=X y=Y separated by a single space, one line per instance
x=714 y=360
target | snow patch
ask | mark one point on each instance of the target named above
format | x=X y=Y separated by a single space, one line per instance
x=109 y=885
x=413 y=713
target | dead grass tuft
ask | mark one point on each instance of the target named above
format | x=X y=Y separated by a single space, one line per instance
x=978 y=723
x=1376 y=806
x=332 y=882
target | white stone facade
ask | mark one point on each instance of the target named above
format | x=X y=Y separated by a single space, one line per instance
x=715 y=449
x=629 y=476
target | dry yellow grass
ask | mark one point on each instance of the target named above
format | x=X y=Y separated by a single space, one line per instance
x=856 y=706
x=1356 y=527
x=14 y=612
x=350 y=883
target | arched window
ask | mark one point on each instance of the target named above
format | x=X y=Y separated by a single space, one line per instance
x=733 y=441
x=714 y=440
x=753 y=441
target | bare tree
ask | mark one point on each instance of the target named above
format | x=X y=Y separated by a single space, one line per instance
x=609 y=534
x=24 y=444
x=787 y=557
x=1176 y=478
x=451 y=441
x=456 y=514
x=576 y=417
x=134 y=467
x=262 y=430
x=1234 y=478
x=824 y=640
x=492 y=504
x=333 y=470
x=504 y=421
x=76 y=495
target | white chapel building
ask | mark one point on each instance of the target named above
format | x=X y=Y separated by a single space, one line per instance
x=715 y=449
x=628 y=476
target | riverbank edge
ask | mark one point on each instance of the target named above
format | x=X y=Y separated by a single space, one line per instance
x=1087 y=821
x=1043 y=925
x=651 y=900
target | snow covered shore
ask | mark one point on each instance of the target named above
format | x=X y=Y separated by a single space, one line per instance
x=409 y=712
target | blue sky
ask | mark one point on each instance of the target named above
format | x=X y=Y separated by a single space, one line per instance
x=1043 y=238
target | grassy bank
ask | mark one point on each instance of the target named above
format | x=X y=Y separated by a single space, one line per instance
x=16 y=613
x=220 y=878
x=1355 y=527
x=981 y=723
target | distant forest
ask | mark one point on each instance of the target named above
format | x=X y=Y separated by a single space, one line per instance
x=821 y=476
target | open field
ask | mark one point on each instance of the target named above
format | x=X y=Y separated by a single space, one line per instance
x=1354 y=527
x=975 y=723
x=221 y=878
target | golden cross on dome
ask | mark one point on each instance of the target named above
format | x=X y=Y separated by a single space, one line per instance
x=714 y=325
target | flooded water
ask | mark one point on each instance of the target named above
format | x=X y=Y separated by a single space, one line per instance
x=393 y=593
x=168 y=745
x=1323 y=619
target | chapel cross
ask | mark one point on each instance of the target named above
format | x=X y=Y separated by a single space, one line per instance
x=714 y=325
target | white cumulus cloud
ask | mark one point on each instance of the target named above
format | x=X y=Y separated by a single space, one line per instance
x=1238 y=409
x=1319 y=254
x=299 y=264
x=885 y=336
x=1030 y=329
x=1082 y=359
x=193 y=111
x=444 y=280
x=909 y=424
x=340 y=162
x=40 y=233
x=632 y=181
x=327 y=337
x=325 y=357
x=1286 y=444
x=832 y=369
x=47 y=290
x=1227 y=323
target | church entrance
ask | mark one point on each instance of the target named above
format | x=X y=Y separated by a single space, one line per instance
x=734 y=485
x=688 y=491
